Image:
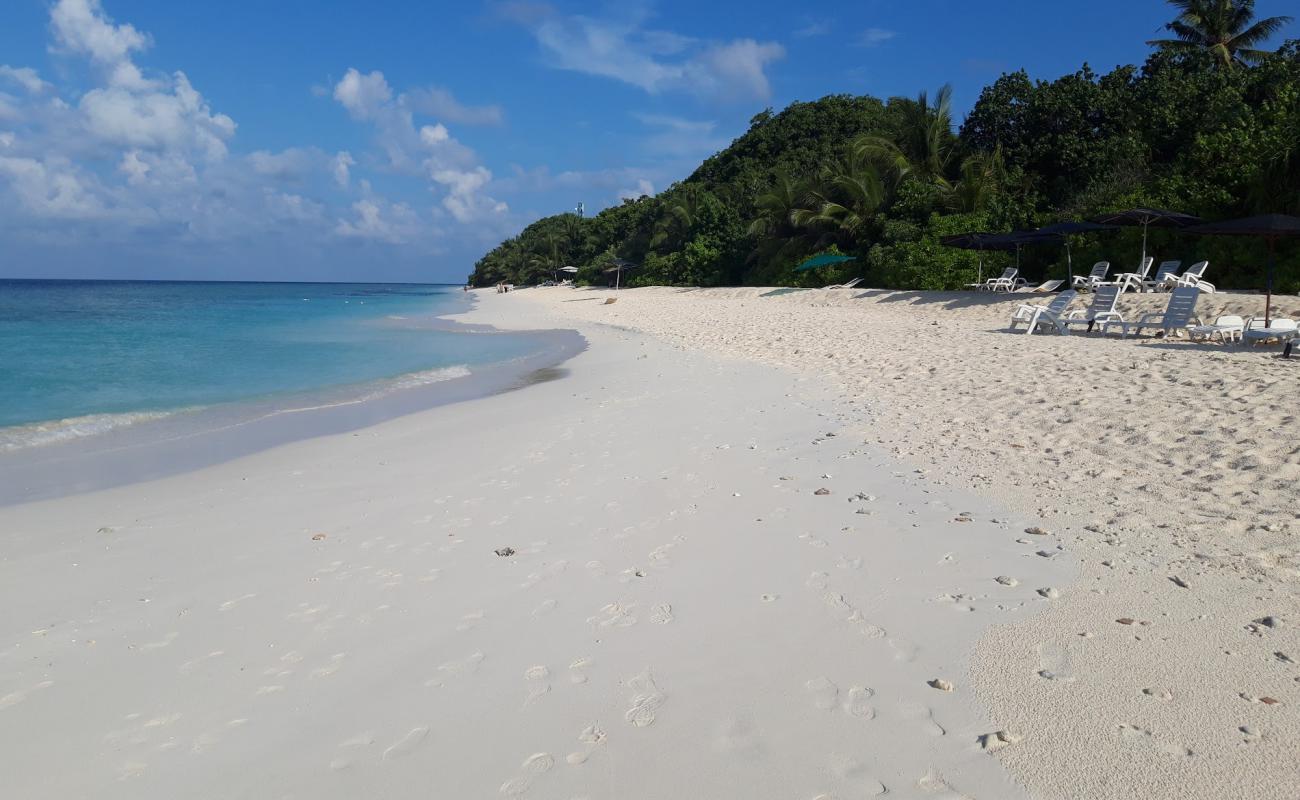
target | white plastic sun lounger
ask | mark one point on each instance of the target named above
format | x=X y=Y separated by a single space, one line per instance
x=1099 y=311
x=1043 y=288
x=1178 y=315
x=1133 y=280
x=1034 y=316
x=1226 y=328
x=1278 y=330
x=848 y=285
x=1009 y=281
x=1190 y=277
x=1166 y=269
x=1094 y=278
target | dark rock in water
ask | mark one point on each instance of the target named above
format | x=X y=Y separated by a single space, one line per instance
x=505 y=552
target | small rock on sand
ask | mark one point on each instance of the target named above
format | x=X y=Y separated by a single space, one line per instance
x=505 y=552
x=996 y=740
x=940 y=684
x=1036 y=531
x=1050 y=592
x=822 y=491
x=1007 y=580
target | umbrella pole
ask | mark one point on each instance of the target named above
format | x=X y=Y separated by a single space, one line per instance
x=981 y=272
x=1069 y=260
x=1268 y=298
x=1144 y=246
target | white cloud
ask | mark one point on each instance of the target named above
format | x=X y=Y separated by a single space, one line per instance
x=644 y=188
x=25 y=77
x=82 y=28
x=178 y=119
x=52 y=188
x=364 y=96
x=682 y=138
x=341 y=167
x=874 y=36
x=655 y=60
x=430 y=150
x=437 y=102
x=291 y=164
x=378 y=219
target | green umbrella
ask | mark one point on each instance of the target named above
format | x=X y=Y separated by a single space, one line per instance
x=821 y=261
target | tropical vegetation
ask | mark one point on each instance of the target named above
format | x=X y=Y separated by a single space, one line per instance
x=1208 y=125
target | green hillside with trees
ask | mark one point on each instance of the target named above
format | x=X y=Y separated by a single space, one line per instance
x=1209 y=125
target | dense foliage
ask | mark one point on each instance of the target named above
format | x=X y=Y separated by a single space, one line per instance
x=1189 y=130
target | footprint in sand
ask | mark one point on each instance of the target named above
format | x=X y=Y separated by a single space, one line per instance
x=407 y=744
x=455 y=669
x=544 y=608
x=613 y=615
x=661 y=614
x=1138 y=736
x=924 y=716
x=578 y=670
x=858 y=703
x=824 y=693
x=536 y=766
x=646 y=700
x=934 y=783
x=14 y=698
x=856 y=778
x=331 y=667
x=591 y=738
x=818 y=580
x=539 y=683
x=470 y=621
x=1054 y=663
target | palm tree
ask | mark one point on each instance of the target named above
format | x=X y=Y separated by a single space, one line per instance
x=1221 y=27
x=674 y=227
x=773 y=226
x=839 y=208
x=982 y=177
x=924 y=144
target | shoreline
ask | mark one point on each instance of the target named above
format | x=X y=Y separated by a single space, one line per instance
x=166 y=443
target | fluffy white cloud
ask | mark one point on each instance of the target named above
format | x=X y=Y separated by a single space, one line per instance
x=644 y=188
x=874 y=36
x=429 y=150
x=341 y=167
x=173 y=118
x=53 y=188
x=82 y=28
x=378 y=219
x=364 y=96
x=654 y=60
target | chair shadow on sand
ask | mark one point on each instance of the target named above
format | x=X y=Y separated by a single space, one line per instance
x=948 y=299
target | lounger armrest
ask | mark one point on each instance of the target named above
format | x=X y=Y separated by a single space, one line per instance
x=1108 y=316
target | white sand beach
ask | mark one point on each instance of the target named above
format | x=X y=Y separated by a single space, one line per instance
x=804 y=545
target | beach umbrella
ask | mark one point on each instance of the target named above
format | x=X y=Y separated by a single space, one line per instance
x=1061 y=232
x=1269 y=227
x=823 y=260
x=619 y=267
x=1147 y=217
x=980 y=242
x=569 y=270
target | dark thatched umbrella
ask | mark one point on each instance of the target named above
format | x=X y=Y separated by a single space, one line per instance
x=1061 y=232
x=1269 y=227
x=1147 y=217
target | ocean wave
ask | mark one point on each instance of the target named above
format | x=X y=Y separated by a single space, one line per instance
x=38 y=434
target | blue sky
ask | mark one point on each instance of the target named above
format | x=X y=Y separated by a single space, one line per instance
x=349 y=140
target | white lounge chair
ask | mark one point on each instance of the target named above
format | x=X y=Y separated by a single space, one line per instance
x=1278 y=330
x=1133 y=280
x=1178 y=315
x=848 y=285
x=1099 y=311
x=1043 y=288
x=1190 y=277
x=1163 y=272
x=1094 y=278
x=1008 y=281
x=1226 y=328
x=1033 y=316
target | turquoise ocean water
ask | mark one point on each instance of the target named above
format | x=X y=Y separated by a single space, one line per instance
x=78 y=358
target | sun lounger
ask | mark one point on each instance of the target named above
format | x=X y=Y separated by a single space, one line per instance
x=1094 y=278
x=1163 y=272
x=1278 y=330
x=848 y=285
x=1225 y=328
x=1100 y=310
x=1178 y=315
x=1043 y=288
x=1191 y=277
x=1033 y=316
x=1008 y=281
x=1133 y=280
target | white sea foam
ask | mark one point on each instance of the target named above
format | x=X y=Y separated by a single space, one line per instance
x=37 y=434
